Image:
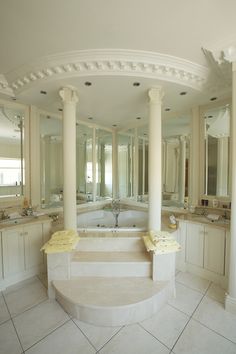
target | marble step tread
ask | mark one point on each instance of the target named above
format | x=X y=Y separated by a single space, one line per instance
x=108 y=291
x=129 y=257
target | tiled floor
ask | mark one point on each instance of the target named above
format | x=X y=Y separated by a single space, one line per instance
x=193 y=323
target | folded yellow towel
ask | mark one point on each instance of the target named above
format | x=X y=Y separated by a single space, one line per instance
x=61 y=241
x=160 y=242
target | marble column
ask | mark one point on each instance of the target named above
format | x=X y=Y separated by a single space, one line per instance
x=182 y=162
x=69 y=98
x=154 y=158
x=230 y=300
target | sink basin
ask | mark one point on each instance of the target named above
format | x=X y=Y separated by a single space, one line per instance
x=17 y=221
x=205 y=219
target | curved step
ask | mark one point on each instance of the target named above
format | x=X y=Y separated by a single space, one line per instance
x=112 y=301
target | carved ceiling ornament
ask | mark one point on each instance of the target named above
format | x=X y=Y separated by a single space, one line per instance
x=109 y=62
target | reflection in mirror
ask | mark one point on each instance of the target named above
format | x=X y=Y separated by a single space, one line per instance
x=175 y=155
x=125 y=144
x=217 y=132
x=51 y=161
x=12 y=170
x=104 y=164
x=143 y=163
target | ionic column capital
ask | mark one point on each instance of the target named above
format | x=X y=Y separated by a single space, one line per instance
x=156 y=95
x=69 y=94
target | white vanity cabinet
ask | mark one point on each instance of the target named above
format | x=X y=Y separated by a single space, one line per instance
x=204 y=250
x=21 y=256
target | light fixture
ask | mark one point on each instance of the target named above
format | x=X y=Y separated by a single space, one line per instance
x=88 y=83
x=136 y=84
x=43 y=92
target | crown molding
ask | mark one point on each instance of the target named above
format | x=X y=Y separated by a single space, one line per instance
x=117 y=62
x=5 y=89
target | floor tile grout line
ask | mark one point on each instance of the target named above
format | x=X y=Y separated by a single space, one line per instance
x=189 y=287
x=61 y=325
x=213 y=330
x=13 y=324
x=30 y=308
x=72 y=319
x=191 y=316
x=104 y=343
x=153 y=336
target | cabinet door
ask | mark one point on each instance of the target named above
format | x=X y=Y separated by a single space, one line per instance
x=33 y=242
x=214 y=250
x=194 y=244
x=13 y=251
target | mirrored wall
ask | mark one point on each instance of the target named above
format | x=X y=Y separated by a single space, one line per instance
x=216 y=151
x=12 y=150
x=93 y=162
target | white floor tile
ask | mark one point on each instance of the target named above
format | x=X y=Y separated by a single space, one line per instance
x=133 y=340
x=186 y=299
x=65 y=340
x=215 y=292
x=212 y=314
x=24 y=296
x=9 y=343
x=97 y=335
x=38 y=322
x=193 y=281
x=166 y=325
x=197 y=339
x=4 y=314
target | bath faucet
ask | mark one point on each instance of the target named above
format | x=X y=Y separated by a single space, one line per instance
x=115 y=204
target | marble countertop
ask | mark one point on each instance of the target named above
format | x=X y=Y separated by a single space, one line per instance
x=202 y=219
x=24 y=220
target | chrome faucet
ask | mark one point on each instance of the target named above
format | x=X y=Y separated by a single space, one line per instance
x=115 y=205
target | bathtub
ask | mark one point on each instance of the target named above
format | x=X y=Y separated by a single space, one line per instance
x=103 y=220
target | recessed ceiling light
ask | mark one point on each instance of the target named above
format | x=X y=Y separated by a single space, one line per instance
x=88 y=83
x=90 y=118
x=213 y=98
x=183 y=93
x=136 y=84
x=138 y=118
x=43 y=92
x=167 y=109
x=114 y=125
x=60 y=109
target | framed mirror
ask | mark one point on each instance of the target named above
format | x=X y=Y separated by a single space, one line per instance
x=216 y=131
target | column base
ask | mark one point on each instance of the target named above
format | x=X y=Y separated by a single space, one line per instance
x=230 y=304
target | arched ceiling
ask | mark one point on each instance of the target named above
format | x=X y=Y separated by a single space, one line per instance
x=33 y=30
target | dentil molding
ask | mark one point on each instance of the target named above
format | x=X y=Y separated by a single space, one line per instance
x=108 y=62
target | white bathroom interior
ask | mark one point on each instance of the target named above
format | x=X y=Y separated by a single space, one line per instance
x=117 y=144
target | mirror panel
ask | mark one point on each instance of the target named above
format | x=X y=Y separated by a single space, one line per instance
x=12 y=156
x=125 y=147
x=217 y=143
x=104 y=164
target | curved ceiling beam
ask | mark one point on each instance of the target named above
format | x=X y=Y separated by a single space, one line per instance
x=108 y=62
